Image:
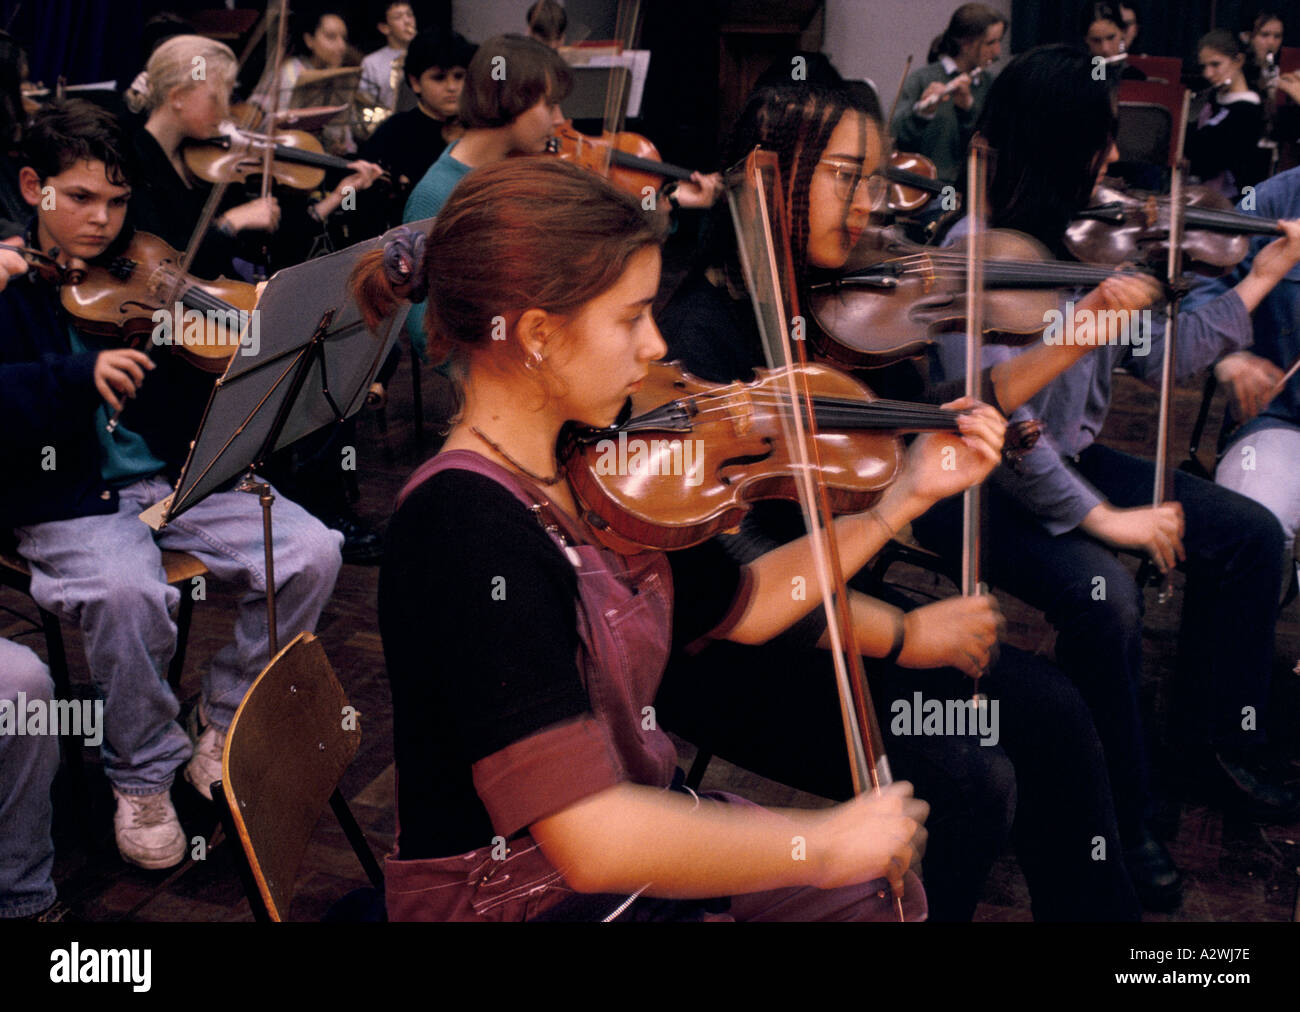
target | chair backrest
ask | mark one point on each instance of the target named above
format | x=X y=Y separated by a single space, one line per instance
x=1159 y=69
x=1148 y=116
x=286 y=751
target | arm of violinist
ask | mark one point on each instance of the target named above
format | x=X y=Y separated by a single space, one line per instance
x=625 y=836
x=936 y=466
x=362 y=178
x=1017 y=379
x=959 y=632
x=1270 y=265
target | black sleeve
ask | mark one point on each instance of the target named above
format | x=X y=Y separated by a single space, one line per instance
x=1227 y=144
x=706 y=581
x=477 y=612
x=479 y=624
x=706 y=333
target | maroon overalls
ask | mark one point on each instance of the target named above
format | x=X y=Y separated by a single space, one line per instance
x=624 y=621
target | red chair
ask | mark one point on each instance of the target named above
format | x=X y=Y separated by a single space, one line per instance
x=1158 y=69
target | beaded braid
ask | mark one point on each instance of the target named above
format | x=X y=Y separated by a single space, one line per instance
x=796 y=123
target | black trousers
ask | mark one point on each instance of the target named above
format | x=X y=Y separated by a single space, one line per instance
x=775 y=711
x=1225 y=643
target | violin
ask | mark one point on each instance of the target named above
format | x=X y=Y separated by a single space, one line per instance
x=298 y=160
x=47 y=266
x=628 y=160
x=120 y=300
x=913 y=182
x=1134 y=228
x=689 y=458
x=897 y=296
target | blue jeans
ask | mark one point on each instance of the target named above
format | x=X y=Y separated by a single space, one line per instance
x=27 y=767
x=1262 y=466
x=106 y=574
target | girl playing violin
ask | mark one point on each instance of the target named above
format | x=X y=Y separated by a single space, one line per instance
x=170 y=199
x=744 y=703
x=514 y=115
x=532 y=770
x=1055 y=527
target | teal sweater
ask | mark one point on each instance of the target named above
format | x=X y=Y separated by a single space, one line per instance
x=425 y=201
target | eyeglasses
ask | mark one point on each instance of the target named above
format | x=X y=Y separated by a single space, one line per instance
x=848 y=177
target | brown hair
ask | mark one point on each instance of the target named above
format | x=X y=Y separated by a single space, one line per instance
x=524 y=233
x=508 y=76
x=969 y=21
x=547 y=21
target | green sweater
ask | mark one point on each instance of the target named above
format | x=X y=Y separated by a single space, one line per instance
x=942 y=137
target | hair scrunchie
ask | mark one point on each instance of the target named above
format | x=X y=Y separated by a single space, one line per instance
x=404 y=264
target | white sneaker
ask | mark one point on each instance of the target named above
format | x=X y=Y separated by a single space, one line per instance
x=147 y=830
x=205 y=766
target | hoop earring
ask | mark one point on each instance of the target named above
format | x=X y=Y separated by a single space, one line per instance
x=535 y=362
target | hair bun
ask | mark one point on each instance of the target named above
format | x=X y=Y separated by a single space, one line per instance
x=404 y=264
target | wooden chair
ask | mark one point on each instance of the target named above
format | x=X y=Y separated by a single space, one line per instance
x=286 y=751
x=180 y=568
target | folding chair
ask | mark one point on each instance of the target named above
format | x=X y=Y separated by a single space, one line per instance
x=1148 y=114
x=286 y=751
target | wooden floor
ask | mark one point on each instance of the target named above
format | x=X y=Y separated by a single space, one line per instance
x=1236 y=871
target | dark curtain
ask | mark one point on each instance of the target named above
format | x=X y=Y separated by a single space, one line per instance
x=84 y=40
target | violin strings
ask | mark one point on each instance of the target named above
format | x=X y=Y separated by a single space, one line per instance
x=834 y=411
x=1033 y=269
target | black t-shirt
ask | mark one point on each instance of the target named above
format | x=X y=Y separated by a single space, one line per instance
x=477 y=609
x=406 y=144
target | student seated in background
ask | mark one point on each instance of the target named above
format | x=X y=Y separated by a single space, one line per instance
x=970 y=44
x=73 y=493
x=547 y=22
x=407 y=143
x=397 y=26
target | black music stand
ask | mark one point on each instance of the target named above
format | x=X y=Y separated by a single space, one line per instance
x=314 y=366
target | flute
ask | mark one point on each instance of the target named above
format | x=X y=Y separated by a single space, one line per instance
x=926 y=104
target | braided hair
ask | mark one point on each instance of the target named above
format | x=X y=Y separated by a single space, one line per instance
x=795 y=121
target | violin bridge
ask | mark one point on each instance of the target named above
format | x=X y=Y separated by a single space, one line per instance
x=741 y=408
x=1151 y=211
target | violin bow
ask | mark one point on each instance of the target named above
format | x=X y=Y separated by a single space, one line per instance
x=168 y=298
x=276 y=63
x=977 y=163
x=760 y=216
x=907 y=67
x=1164 y=424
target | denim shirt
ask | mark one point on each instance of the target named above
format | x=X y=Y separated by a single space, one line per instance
x=1073 y=407
x=1277 y=320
